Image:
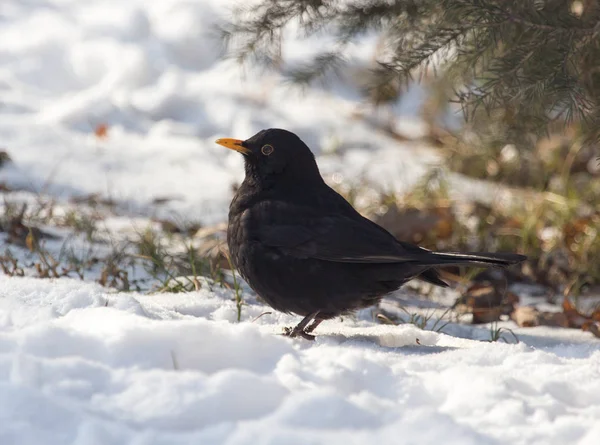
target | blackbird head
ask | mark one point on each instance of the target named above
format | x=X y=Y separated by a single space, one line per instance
x=276 y=156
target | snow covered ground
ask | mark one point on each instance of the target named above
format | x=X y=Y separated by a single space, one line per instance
x=82 y=364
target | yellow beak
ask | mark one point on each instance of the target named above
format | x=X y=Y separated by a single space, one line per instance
x=233 y=144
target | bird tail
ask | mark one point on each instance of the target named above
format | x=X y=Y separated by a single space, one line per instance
x=476 y=259
x=472 y=259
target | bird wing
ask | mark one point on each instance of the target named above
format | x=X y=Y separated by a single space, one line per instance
x=338 y=238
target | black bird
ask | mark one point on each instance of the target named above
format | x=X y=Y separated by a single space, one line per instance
x=304 y=249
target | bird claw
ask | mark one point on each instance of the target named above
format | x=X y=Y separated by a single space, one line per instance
x=295 y=332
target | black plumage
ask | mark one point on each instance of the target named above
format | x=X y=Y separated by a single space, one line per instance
x=304 y=249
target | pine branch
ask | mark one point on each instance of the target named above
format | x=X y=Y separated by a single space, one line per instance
x=323 y=64
x=533 y=61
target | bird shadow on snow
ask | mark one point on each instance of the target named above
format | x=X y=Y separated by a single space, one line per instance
x=401 y=342
x=410 y=340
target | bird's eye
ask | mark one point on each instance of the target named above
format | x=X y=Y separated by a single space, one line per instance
x=267 y=149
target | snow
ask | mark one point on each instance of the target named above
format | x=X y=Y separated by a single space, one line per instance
x=151 y=72
x=84 y=364
x=80 y=364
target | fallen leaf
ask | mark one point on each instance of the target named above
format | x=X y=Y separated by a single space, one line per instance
x=487 y=302
x=556 y=319
x=101 y=131
x=487 y=315
x=593 y=327
x=575 y=318
x=526 y=316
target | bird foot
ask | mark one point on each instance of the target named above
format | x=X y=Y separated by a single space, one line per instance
x=296 y=332
x=302 y=329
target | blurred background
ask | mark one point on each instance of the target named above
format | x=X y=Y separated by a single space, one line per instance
x=455 y=124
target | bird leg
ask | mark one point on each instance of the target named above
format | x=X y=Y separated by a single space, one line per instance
x=299 y=330
x=316 y=322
